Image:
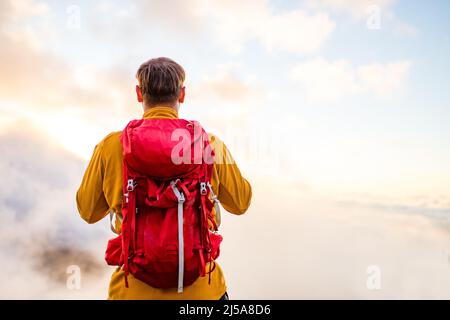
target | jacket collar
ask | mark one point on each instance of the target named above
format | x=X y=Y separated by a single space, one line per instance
x=161 y=112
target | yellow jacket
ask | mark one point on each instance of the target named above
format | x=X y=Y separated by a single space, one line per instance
x=101 y=191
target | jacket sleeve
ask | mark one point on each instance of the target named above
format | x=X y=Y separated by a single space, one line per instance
x=234 y=191
x=91 y=201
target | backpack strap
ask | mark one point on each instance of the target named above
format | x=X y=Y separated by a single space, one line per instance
x=181 y=199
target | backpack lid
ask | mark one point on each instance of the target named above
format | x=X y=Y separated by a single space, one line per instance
x=165 y=148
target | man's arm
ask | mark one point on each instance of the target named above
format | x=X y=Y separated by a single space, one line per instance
x=234 y=191
x=91 y=201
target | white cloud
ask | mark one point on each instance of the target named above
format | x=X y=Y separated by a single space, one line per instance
x=373 y=11
x=324 y=81
x=43 y=236
x=356 y=8
x=237 y=22
x=49 y=89
x=436 y=207
x=20 y=9
x=383 y=79
x=326 y=248
x=230 y=24
x=41 y=231
x=227 y=83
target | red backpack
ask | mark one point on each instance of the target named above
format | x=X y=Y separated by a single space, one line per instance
x=168 y=231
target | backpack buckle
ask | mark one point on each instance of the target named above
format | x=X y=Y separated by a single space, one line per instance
x=177 y=192
x=131 y=185
x=203 y=190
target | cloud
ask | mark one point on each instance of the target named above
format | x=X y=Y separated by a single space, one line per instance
x=226 y=83
x=25 y=70
x=36 y=78
x=47 y=82
x=323 y=80
x=230 y=24
x=14 y=11
x=356 y=8
x=53 y=92
x=372 y=11
x=325 y=246
x=236 y=23
x=323 y=249
x=326 y=81
x=42 y=234
x=383 y=79
x=436 y=207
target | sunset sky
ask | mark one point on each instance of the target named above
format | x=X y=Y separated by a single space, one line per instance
x=356 y=103
x=346 y=100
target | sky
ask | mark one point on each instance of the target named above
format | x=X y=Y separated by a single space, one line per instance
x=343 y=105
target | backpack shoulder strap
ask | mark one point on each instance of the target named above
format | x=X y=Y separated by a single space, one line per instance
x=129 y=219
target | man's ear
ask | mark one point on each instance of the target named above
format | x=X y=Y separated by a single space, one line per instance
x=182 y=95
x=140 y=99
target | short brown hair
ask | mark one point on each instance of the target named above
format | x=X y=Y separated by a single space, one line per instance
x=160 y=80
